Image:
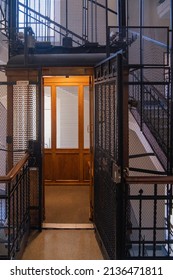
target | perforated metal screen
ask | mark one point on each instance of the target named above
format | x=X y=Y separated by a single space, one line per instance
x=25 y=119
x=107 y=154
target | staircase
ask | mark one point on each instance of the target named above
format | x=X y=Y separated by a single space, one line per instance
x=49 y=27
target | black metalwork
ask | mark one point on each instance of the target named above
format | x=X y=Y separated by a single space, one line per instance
x=14 y=211
x=20 y=180
x=108 y=154
x=149 y=225
x=153 y=114
x=50 y=31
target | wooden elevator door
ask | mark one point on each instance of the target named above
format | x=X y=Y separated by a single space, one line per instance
x=66 y=130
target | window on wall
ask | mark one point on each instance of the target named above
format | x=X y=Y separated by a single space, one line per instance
x=67 y=117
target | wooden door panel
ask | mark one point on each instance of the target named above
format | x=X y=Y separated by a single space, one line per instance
x=67 y=166
x=48 y=166
x=86 y=167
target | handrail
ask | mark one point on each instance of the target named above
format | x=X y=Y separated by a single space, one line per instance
x=154 y=89
x=148 y=179
x=15 y=170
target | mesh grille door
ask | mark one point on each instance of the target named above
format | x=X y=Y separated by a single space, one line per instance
x=108 y=155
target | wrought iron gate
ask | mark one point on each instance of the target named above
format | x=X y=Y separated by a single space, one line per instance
x=111 y=132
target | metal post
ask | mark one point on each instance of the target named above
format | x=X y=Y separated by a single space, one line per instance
x=171 y=66
x=66 y=17
x=155 y=221
x=141 y=63
x=140 y=222
x=40 y=214
x=122 y=7
x=107 y=29
x=92 y=22
x=12 y=19
x=122 y=13
x=96 y=29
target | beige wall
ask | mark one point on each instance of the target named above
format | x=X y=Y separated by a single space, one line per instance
x=151 y=16
x=150 y=13
x=75 y=18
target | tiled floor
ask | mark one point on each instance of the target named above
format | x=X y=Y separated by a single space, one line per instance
x=67 y=232
x=63 y=245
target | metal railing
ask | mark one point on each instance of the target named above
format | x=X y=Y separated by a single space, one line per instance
x=149 y=219
x=14 y=209
x=152 y=112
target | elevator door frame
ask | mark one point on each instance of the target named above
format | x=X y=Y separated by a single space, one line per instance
x=67 y=166
x=70 y=71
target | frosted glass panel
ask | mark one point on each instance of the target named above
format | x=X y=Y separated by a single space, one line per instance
x=86 y=118
x=67 y=116
x=47 y=117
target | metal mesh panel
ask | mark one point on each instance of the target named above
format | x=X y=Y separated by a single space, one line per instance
x=149 y=46
x=106 y=152
x=25 y=119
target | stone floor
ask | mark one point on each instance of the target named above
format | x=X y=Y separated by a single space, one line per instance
x=67 y=232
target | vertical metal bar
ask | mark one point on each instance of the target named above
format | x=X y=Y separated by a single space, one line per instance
x=155 y=220
x=12 y=19
x=168 y=124
x=107 y=30
x=121 y=204
x=28 y=196
x=66 y=24
x=26 y=14
x=92 y=22
x=122 y=14
x=171 y=109
x=141 y=64
x=140 y=222
x=168 y=215
x=40 y=151
x=83 y=18
x=9 y=219
x=96 y=28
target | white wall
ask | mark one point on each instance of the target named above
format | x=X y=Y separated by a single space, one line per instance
x=139 y=145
